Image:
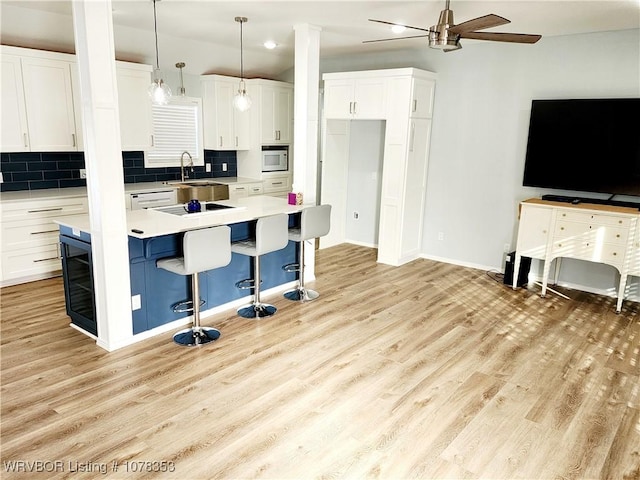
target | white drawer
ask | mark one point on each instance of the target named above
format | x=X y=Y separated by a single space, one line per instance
x=55 y=207
x=29 y=233
x=238 y=191
x=30 y=261
x=594 y=219
x=277 y=184
x=590 y=232
x=588 y=250
x=256 y=189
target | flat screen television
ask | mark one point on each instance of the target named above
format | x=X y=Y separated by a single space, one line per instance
x=586 y=145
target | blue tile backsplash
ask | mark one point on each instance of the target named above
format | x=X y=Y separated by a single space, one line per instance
x=34 y=171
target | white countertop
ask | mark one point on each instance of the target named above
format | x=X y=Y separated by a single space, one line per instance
x=129 y=188
x=153 y=223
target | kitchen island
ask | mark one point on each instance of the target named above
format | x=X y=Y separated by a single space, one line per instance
x=157 y=233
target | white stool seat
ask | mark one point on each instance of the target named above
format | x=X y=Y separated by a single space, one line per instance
x=271 y=235
x=203 y=250
x=314 y=222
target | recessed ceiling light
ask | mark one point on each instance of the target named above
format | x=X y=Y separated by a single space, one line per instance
x=270 y=44
x=398 y=28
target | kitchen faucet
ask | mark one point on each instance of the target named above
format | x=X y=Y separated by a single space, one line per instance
x=182 y=164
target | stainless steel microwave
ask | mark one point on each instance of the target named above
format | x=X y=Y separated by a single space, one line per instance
x=275 y=160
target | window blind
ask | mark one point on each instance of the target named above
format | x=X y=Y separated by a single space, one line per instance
x=176 y=128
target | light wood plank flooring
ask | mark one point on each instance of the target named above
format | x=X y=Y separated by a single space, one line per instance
x=423 y=371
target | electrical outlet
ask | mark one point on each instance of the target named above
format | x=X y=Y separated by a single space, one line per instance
x=441 y=236
x=224 y=167
x=136 y=302
x=506 y=248
x=355 y=215
x=207 y=167
x=83 y=173
x=1 y=179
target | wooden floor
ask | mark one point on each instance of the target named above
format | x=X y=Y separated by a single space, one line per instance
x=423 y=371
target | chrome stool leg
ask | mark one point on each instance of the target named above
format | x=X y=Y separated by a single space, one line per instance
x=256 y=309
x=197 y=334
x=301 y=293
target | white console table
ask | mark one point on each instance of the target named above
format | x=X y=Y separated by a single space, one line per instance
x=598 y=233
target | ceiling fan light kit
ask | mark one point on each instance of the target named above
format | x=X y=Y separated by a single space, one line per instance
x=446 y=35
x=159 y=91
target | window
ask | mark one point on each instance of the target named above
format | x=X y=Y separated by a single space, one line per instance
x=177 y=127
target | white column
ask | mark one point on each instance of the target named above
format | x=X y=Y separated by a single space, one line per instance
x=305 y=129
x=93 y=28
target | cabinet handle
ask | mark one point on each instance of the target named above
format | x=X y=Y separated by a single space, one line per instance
x=44 y=231
x=220 y=140
x=277 y=134
x=26 y=143
x=45 y=210
x=153 y=142
x=355 y=107
x=415 y=106
x=350 y=107
x=236 y=140
x=73 y=138
x=46 y=259
x=239 y=188
x=618 y=236
x=614 y=254
x=412 y=137
x=276 y=183
x=561 y=228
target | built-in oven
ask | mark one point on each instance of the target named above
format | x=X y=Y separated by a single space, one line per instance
x=77 y=272
x=275 y=159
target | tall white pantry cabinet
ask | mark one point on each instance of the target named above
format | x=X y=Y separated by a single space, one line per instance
x=403 y=98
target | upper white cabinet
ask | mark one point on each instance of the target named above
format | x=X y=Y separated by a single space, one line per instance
x=45 y=100
x=15 y=137
x=275 y=111
x=225 y=128
x=350 y=97
x=403 y=98
x=136 y=131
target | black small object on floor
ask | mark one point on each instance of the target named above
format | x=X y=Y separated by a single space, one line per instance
x=523 y=273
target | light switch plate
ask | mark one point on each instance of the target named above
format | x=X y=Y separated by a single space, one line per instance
x=136 y=302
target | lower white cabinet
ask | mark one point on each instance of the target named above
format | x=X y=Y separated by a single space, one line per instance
x=239 y=190
x=277 y=185
x=596 y=233
x=30 y=245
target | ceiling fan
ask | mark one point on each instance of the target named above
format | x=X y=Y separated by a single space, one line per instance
x=446 y=35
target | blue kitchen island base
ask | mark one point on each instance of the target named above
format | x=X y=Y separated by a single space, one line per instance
x=159 y=289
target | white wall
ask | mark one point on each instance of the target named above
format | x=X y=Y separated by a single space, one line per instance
x=479 y=133
x=364 y=177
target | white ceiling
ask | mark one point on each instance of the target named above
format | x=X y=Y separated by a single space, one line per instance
x=204 y=35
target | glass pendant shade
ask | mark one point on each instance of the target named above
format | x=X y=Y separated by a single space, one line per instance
x=242 y=101
x=159 y=91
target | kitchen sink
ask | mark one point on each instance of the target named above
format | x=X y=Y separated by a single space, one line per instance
x=203 y=191
x=207 y=207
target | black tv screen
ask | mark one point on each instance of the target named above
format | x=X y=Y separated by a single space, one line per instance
x=590 y=145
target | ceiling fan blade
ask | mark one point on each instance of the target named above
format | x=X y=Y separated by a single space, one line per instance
x=399 y=24
x=479 y=23
x=502 y=37
x=395 y=38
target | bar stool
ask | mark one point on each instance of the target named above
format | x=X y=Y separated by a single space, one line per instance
x=271 y=235
x=314 y=223
x=203 y=250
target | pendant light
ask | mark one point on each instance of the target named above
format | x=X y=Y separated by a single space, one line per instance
x=241 y=101
x=181 y=90
x=159 y=91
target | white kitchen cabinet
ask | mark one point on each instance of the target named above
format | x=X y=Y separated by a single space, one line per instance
x=595 y=233
x=405 y=158
x=30 y=245
x=225 y=128
x=634 y=264
x=360 y=97
x=49 y=103
x=276 y=112
x=277 y=185
x=14 y=111
x=239 y=190
x=136 y=130
x=44 y=103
